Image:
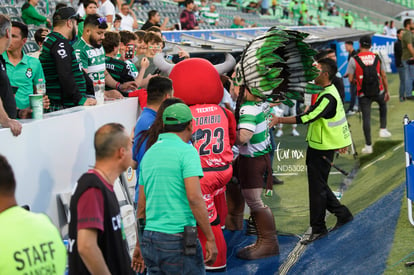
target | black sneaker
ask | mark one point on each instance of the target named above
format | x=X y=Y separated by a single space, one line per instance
x=277 y=181
x=341 y=222
x=314 y=237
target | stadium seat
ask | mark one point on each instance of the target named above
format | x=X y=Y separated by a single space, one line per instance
x=30 y=46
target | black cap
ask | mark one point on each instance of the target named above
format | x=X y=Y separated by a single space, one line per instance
x=365 y=41
x=66 y=13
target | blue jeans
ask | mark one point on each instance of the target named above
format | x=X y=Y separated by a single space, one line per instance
x=402 y=74
x=164 y=254
x=409 y=77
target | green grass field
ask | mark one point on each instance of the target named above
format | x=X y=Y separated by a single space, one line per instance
x=375 y=175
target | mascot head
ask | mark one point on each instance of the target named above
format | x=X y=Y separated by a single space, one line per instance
x=196 y=80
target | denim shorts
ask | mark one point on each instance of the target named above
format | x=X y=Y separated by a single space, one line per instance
x=164 y=254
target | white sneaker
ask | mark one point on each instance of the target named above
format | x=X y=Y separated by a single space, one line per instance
x=279 y=133
x=356 y=108
x=295 y=133
x=367 y=149
x=384 y=133
x=350 y=113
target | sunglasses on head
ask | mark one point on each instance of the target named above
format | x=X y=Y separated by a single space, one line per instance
x=101 y=20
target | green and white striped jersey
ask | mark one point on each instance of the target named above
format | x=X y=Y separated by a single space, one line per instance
x=210 y=17
x=92 y=59
x=255 y=117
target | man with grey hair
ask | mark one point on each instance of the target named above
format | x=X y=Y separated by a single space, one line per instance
x=8 y=110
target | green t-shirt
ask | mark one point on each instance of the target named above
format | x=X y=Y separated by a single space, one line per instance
x=234 y=26
x=92 y=59
x=162 y=172
x=31 y=16
x=30 y=244
x=254 y=116
x=24 y=75
x=296 y=11
x=407 y=38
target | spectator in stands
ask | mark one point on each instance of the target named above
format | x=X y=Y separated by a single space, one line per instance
x=154 y=45
x=250 y=6
x=285 y=8
x=120 y=70
x=187 y=17
x=92 y=56
x=154 y=19
x=264 y=7
x=319 y=15
x=117 y=23
x=354 y=71
x=295 y=10
x=385 y=28
x=349 y=20
x=163 y=236
x=203 y=7
x=31 y=16
x=39 y=37
x=392 y=31
x=141 y=46
x=353 y=104
x=95 y=227
x=23 y=71
x=65 y=82
x=312 y=21
x=129 y=20
x=8 y=110
x=211 y=16
x=25 y=233
x=331 y=8
x=407 y=57
x=159 y=89
x=107 y=9
x=236 y=23
x=399 y=64
x=90 y=7
x=303 y=7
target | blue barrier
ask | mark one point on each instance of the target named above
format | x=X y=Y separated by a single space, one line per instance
x=409 y=163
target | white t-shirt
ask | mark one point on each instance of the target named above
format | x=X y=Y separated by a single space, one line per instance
x=106 y=9
x=127 y=22
x=81 y=11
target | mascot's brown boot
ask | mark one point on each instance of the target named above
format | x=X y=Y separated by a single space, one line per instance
x=235 y=206
x=266 y=244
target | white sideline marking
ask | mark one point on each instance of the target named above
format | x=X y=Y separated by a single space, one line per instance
x=375 y=161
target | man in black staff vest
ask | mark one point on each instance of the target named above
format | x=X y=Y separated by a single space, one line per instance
x=97 y=242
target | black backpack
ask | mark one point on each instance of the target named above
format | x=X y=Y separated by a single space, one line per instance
x=370 y=85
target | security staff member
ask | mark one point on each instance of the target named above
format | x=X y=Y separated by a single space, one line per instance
x=328 y=131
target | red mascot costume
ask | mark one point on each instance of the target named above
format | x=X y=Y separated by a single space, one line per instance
x=197 y=82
